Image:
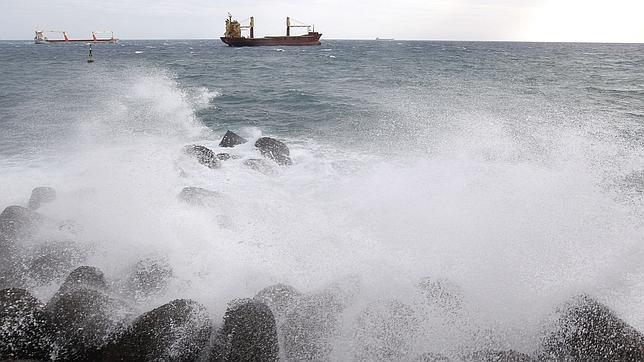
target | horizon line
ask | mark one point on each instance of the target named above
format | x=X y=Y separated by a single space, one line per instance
x=405 y=39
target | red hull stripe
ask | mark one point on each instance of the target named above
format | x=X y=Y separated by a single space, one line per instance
x=273 y=41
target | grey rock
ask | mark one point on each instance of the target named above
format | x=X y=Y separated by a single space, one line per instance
x=588 y=330
x=25 y=329
x=231 y=139
x=279 y=298
x=203 y=155
x=259 y=165
x=41 y=195
x=148 y=278
x=309 y=328
x=176 y=331
x=274 y=149
x=223 y=156
x=84 y=277
x=499 y=356
x=431 y=357
x=83 y=320
x=227 y=156
x=53 y=261
x=199 y=196
x=442 y=293
x=385 y=331
x=249 y=333
x=19 y=222
x=11 y=273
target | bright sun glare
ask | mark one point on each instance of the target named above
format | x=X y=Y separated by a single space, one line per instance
x=588 y=20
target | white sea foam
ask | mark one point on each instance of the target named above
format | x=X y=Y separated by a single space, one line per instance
x=517 y=233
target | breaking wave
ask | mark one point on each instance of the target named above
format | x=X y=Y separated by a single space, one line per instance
x=517 y=219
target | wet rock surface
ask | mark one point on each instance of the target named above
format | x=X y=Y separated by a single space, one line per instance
x=231 y=139
x=88 y=277
x=40 y=196
x=279 y=298
x=199 y=196
x=499 y=356
x=226 y=156
x=17 y=226
x=441 y=293
x=25 y=329
x=85 y=321
x=249 y=333
x=176 y=331
x=82 y=320
x=259 y=165
x=148 y=277
x=11 y=266
x=588 y=330
x=385 y=331
x=203 y=155
x=309 y=327
x=18 y=222
x=83 y=314
x=274 y=150
x=431 y=357
x=53 y=261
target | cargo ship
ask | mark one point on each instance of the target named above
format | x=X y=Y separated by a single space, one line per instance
x=234 y=38
x=40 y=38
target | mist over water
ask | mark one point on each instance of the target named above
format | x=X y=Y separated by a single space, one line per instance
x=514 y=171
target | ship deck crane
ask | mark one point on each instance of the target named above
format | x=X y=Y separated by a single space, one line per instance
x=250 y=27
x=298 y=25
x=102 y=32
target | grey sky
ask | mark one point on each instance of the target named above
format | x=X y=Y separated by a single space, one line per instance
x=528 y=20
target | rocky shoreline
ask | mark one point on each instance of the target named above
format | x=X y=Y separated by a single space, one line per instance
x=92 y=318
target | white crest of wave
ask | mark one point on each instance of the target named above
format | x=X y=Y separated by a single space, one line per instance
x=518 y=234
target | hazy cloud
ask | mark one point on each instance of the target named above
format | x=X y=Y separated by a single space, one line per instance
x=540 y=20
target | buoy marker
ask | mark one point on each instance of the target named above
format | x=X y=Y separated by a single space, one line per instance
x=90 y=57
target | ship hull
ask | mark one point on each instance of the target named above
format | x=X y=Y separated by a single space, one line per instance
x=311 y=39
x=86 y=41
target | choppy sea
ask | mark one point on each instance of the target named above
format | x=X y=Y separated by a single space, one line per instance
x=513 y=170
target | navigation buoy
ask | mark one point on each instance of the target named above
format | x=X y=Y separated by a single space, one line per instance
x=90 y=58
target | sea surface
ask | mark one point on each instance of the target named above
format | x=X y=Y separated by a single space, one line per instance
x=515 y=171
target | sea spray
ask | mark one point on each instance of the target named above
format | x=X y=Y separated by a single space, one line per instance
x=516 y=215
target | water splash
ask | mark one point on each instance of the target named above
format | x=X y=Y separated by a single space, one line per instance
x=518 y=221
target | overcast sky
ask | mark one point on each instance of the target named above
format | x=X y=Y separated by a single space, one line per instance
x=523 y=20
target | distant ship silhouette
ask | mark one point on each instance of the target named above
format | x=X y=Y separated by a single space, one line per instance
x=233 y=36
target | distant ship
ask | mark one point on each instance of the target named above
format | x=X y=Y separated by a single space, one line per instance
x=233 y=36
x=384 y=39
x=40 y=38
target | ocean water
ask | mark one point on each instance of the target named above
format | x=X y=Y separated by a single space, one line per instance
x=513 y=170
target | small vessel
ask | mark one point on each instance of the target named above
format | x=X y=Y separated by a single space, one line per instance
x=233 y=36
x=90 y=57
x=40 y=38
x=384 y=39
